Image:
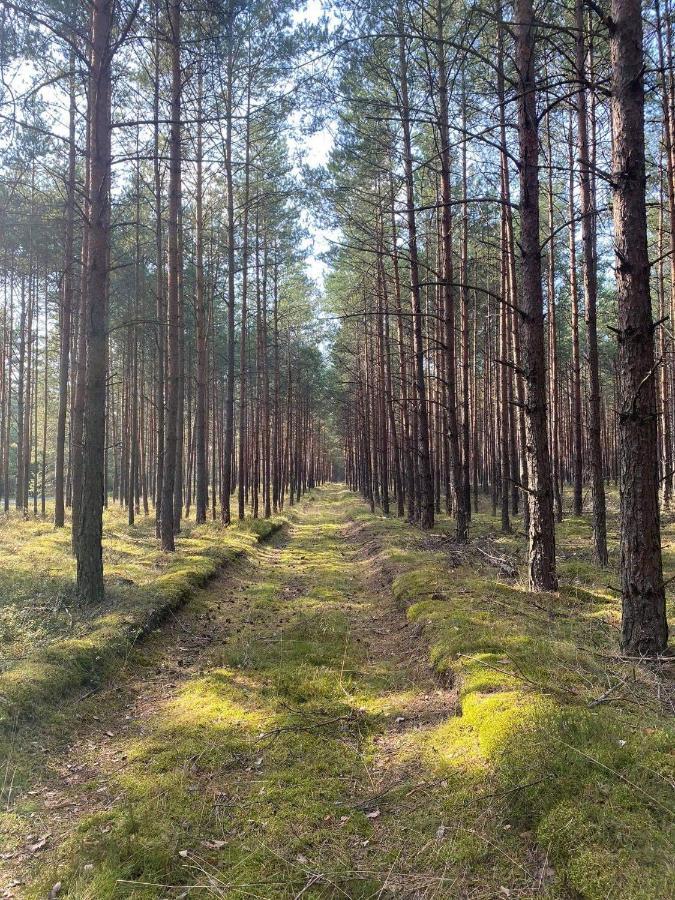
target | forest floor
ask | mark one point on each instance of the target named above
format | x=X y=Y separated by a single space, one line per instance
x=51 y=645
x=357 y=709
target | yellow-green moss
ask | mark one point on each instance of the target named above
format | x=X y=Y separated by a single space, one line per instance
x=50 y=652
x=262 y=769
x=543 y=704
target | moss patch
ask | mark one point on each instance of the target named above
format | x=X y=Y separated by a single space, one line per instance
x=573 y=736
x=53 y=644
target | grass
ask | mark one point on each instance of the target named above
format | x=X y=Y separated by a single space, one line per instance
x=52 y=643
x=311 y=752
x=575 y=737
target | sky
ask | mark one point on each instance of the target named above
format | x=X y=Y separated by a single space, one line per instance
x=313 y=150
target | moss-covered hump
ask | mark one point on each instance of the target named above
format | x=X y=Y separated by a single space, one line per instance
x=51 y=643
x=573 y=736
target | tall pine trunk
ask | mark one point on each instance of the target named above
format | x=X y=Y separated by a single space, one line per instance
x=541 y=534
x=577 y=419
x=173 y=311
x=159 y=290
x=426 y=485
x=644 y=629
x=590 y=299
x=89 y=550
x=66 y=316
x=201 y=468
x=226 y=487
x=447 y=288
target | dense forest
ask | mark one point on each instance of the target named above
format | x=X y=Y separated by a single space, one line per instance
x=259 y=257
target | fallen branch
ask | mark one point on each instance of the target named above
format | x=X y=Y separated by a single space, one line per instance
x=505 y=567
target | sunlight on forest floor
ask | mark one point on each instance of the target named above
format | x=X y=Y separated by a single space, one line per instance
x=284 y=735
x=51 y=642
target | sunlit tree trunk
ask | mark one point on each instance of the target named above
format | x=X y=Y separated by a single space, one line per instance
x=541 y=537
x=644 y=630
x=89 y=551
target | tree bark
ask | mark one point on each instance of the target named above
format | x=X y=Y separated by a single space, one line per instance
x=226 y=487
x=173 y=311
x=541 y=535
x=426 y=492
x=201 y=476
x=577 y=419
x=159 y=290
x=89 y=549
x=462 y=513
x=66 y=316
x=644 y=629
x=590 y=299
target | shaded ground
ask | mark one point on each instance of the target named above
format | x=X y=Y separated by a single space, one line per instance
x=284 y=736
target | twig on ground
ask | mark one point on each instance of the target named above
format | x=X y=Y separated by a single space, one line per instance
x=505 y=567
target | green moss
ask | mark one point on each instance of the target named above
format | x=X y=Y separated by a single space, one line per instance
x=260 y=770
x=83 y=646
x=586 y=771
x=246 y=769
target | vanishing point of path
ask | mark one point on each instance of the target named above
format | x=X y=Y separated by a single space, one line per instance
x=255 y=746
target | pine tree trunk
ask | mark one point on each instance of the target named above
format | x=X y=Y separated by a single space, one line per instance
x=77 y=414
x=554 y=390
x=173 y=311
x=513 y=289
x=447 y=287
x=577 y=419
x=504 y=435
x=201 y=476
x=668 y=370
x=409 y=487
x=464 y=318
x=180 y=406
x=426 y=488
x=243 y=362
x=226 y=487
x=542 y=574
x=644 y=630
x=66 y=317
x=89 y=550
x=590 y=299
x=159 y=290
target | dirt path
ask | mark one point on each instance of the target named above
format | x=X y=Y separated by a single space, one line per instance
x=253 y=747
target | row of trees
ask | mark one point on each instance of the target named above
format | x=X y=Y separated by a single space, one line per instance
x=493 y=167
x=158 y=344
x=504 y=276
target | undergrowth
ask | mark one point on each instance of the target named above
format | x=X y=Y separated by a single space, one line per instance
x=578 y=740
x=301 y=757
x=52 y=642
